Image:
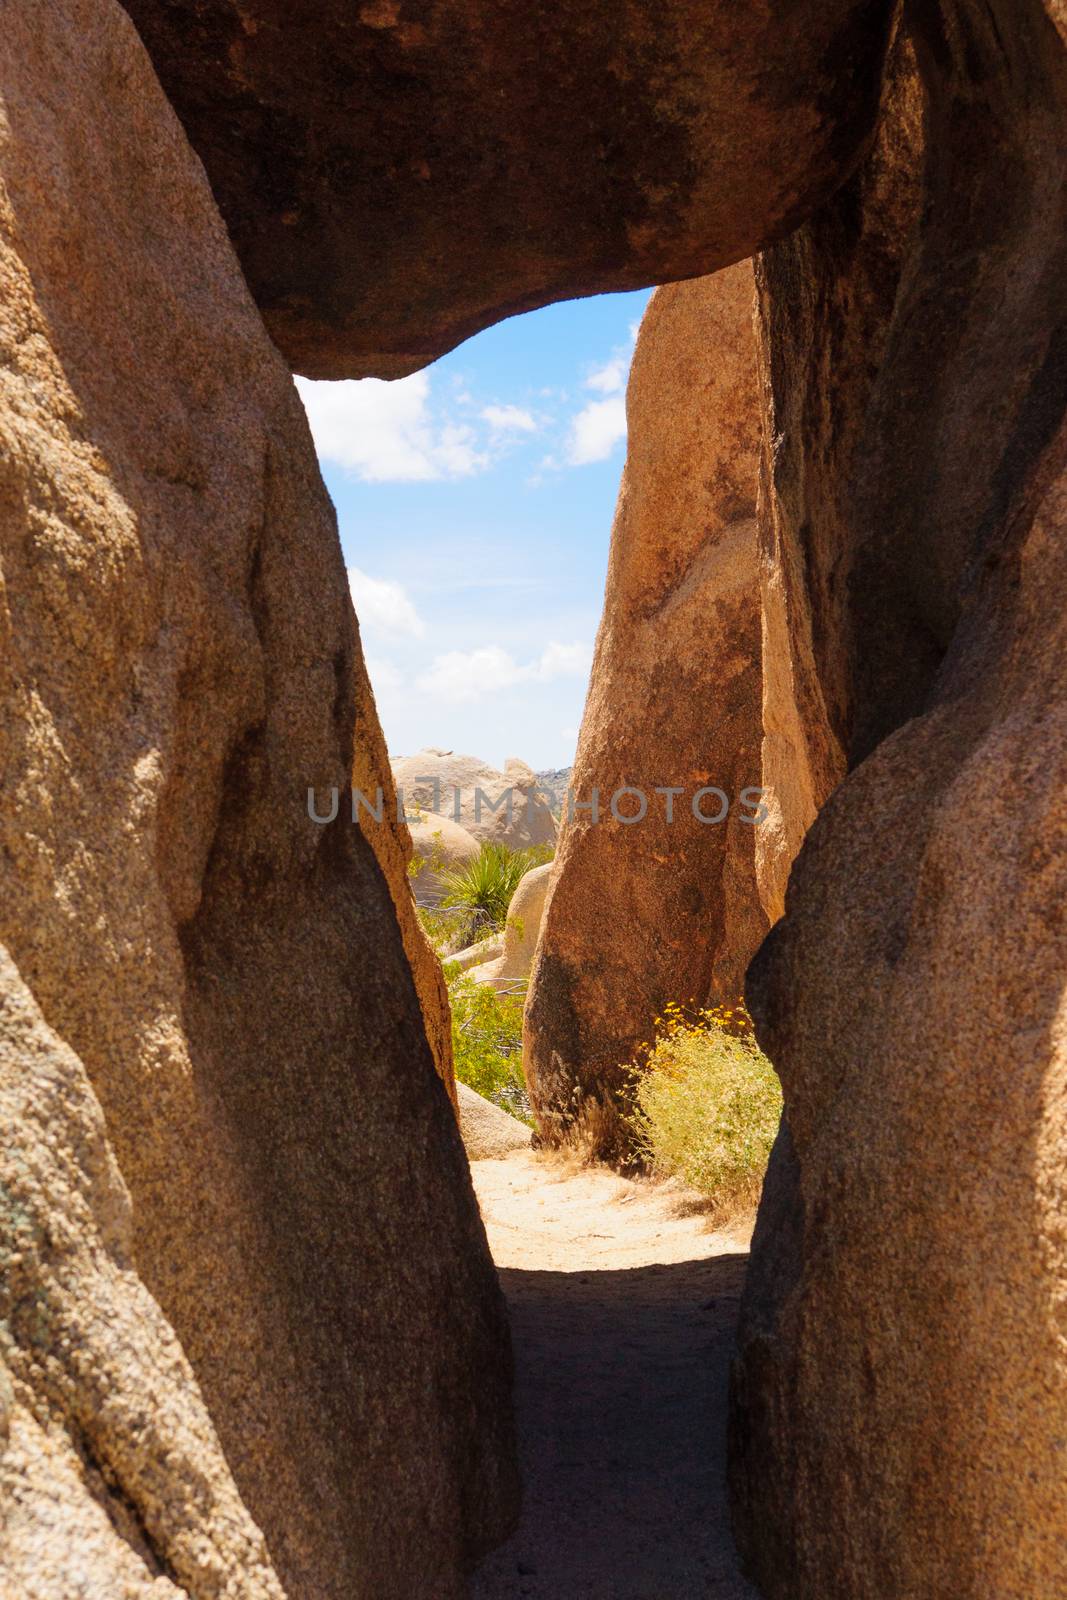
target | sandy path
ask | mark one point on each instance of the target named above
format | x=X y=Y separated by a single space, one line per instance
x=622 y=1313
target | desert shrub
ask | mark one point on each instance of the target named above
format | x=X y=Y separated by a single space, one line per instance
x=487 y=1040
x=484 y=886
x=446 y=927
x=707 y=1104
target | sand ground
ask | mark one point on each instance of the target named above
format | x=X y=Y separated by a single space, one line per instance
x=623 y=1303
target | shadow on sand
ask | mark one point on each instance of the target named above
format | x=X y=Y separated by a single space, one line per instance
x=621 y=1389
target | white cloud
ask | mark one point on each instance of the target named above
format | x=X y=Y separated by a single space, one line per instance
x=471 y=674
x=386 y=432
x=383 y=605
x=384 y=674
x=564 y=660
x=611 y=377
x=509 y=419
x=596 y=430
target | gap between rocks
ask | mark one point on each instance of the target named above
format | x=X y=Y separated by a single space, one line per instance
x=623 y=1306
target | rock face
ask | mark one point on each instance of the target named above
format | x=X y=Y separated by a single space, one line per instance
x=645 y=912
x=504 y=807
x=488 y=1132
x=439 y=844
x=178 y=663
x=111 y=1474
x=825 y=309
x=521 y=929
x=900 y=1401
x=397 y=175
x=394 y=845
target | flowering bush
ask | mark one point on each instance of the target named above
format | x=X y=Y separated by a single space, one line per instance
x=708 y=1104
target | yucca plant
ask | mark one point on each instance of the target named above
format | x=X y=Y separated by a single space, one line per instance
x=484 y=886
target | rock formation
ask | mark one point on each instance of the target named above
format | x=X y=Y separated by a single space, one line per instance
x=394 y=845
x=900 y=1401
x=251 y=1343
x=439 y=845
x=478 y=954
x=396 y=176
x=489 y=1132
x=504 y=807
x=664 y=908
x=111 y=1475
x=178 y=663
x=825 y=308
x=521 y=929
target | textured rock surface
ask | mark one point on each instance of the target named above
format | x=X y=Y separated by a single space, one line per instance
x=111 y=1476
x=825 y=309
x=525 y=915
x=476 y=955
x=468 y=791
x=900 y=1402
x=394 y=846
x=396 y=175
x=488 y=1132
x=178 y=662
x=652 y=911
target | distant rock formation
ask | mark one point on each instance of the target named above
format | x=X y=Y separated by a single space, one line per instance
x=555 y=781
x=521 y=930
x=489 y=1133
x=253 y=1336
x=439 y=845
x=503 y=807
x=666 y=907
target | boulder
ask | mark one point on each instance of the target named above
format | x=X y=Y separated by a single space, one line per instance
x=521 y=929
x=506 y=807
x=899 y=1407
x=179 y=663
x=396 y=176
x=489 y=1133
x=439 y=844
x=663 y=908
x=475 y=955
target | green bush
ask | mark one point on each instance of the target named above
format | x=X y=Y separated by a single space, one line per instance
x=487 y=1040
x=446 y=929
x=484 y=886
x=707 y=1105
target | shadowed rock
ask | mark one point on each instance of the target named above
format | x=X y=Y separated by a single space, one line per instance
x=399 y=173
x=900 y=1401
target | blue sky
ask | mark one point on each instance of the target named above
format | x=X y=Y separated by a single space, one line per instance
x=475 y=502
